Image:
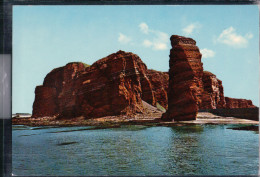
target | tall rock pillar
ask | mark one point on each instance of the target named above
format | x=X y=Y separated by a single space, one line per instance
x=185 y=80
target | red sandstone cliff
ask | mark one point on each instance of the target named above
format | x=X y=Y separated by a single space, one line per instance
x=119 y=83
x=55 y=96
x=191 y=88
x=159 y=81
x=213 y=94
x=114 y=85
x=185 y=80
x=238 y=103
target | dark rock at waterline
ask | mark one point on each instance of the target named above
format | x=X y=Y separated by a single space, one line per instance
x=244 y=113
x=238 y=103
x=66 y=143
x=249 y=128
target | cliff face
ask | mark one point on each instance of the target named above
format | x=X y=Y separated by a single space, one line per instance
x=238 y=103
x=159 y=81
x=191 y=88
x=45 y=103
x=121 y=84
x=185 y=80
x=55 y=96
x=213 y=94
x=114 y=85
x=222 y=101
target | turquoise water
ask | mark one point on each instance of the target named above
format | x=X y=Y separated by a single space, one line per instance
x=135 y=150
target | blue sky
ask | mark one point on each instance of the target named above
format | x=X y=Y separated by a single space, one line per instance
x=46 y=37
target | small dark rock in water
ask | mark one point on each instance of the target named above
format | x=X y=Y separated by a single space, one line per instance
x=66 y=143
x=250 y=128
x=27 y=135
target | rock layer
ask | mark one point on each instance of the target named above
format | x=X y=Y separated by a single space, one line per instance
x=238 y=103
x=159 y=81
x=213 y=95
x=58 y=89
x=191 y=88
x=121 y=83
x=114 y=85
x=45 y=103
x=185 y=80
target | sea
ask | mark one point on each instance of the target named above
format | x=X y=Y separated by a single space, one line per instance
x=134 y=150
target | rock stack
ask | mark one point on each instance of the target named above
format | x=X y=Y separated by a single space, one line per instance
x=191 y=88
x=185 y=80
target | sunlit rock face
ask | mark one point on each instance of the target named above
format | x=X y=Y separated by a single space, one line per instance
x=213 y=95
x=120 y=84
x=56 y=95
x=114 y=85
x=185 y=80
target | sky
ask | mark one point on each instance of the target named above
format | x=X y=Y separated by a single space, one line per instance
x=47 y=37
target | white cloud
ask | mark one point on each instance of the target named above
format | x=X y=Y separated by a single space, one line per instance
x=190 y=28
x=231 y=38
x=158 y=39
x=249 y=35
x=144 y=28
x=147 y=43
x=164 y=37
x=207 y=53
x=159 y=46
x=123 y=38
x=159 y=42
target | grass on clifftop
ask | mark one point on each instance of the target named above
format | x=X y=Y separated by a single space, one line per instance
x=85 y=64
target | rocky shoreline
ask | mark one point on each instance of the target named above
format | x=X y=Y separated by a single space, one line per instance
x=116 y=121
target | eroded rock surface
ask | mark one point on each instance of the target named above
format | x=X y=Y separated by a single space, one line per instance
x=56 y=95
x=160 y=82
x=121 y=84
x=213 y=95
x=185 y=80
x=114 y=85
x=238 y=103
